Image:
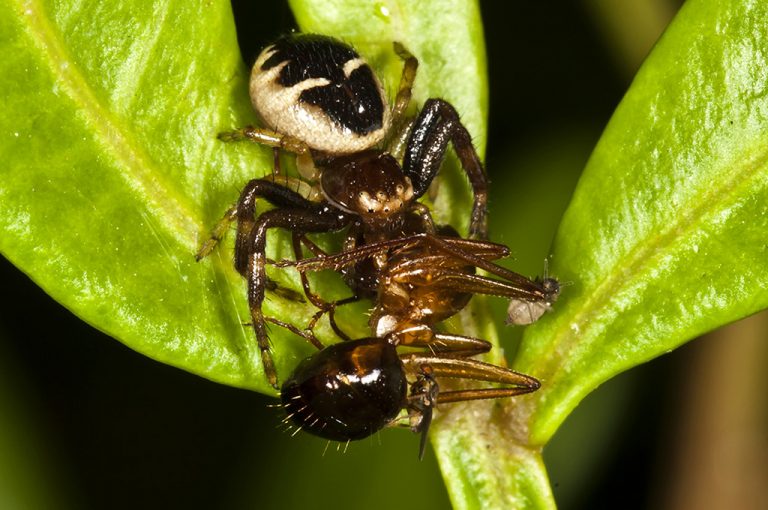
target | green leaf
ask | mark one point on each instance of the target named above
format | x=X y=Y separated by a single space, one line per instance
x=665 y=238
x=113 y=174
x=112 y=171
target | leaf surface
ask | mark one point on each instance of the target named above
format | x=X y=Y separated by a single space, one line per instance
x=113 y=174
x=664 y=239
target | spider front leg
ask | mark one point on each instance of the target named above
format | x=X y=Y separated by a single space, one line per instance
x=274 y=192
x=404 y=92
x=293 y=212
x=251 y=255
x=276 y=140
x=437 y=124
x=277 y=189
x=266 y=137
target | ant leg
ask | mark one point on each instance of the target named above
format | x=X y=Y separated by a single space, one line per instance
x=460 y=368
x=443 y=273
x=444 y=344
x=252 y=255
x=437 y=124
x=323 y=306
x=422 y=399
x=351 y=256
x=331 y=311
x=296 y=240
x=332 y=316
x=530 y=299
x=546 y=290
x=309 y=336
x=425 y=394
x=474 y=252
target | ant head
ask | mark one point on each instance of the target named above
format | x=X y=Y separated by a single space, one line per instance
x=370 y=184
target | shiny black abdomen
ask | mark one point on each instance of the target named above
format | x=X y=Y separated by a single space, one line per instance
x=347 y=391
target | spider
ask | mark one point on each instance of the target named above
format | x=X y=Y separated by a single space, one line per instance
x=319 y=100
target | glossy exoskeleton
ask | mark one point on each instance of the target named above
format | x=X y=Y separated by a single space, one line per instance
x=298 y=86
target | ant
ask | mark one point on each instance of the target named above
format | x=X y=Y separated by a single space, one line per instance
x=322 y=102
x=350 y=390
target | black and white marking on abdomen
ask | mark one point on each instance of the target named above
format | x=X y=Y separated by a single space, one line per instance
x=319 y=90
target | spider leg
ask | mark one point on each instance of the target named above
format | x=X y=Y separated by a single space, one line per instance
x=274 y=192
x=404 y=92
x=251 y=257
x=437 y=124
x=217 y=233
x=266 y=137
x=279 y=193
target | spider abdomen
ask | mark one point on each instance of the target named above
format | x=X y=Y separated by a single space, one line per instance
x=319 y=90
